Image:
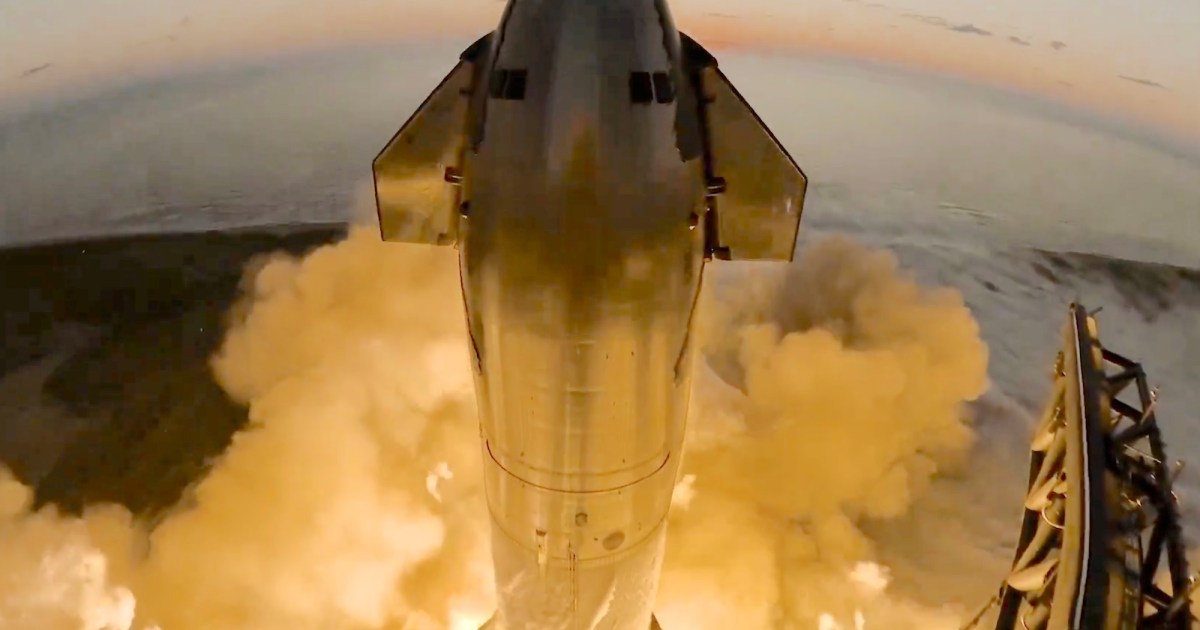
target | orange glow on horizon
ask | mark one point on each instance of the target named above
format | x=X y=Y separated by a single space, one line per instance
x=1072 y=77
x=1077 y=77
x=1069 y=77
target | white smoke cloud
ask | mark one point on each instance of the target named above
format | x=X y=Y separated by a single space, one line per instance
x=353 y=499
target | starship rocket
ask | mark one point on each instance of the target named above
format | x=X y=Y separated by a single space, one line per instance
x=589 y=160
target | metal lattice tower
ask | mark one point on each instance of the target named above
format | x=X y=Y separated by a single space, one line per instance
x=1101 y=545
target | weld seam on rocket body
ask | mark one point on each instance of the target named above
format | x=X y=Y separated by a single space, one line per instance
x=666 y=460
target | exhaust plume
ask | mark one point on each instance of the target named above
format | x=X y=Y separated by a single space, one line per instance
x=833 y=393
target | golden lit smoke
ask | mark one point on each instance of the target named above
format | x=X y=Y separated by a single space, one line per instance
x=354 y=365
x=852 y=383
x=319 y=515
x=353 y=499
x=53 y=574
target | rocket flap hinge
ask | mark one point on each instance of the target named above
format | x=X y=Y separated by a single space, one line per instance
x=715 y=186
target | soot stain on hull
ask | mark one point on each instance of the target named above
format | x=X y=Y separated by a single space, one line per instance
x=148 y=417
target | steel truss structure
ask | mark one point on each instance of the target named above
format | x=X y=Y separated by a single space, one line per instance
x=1101 y=545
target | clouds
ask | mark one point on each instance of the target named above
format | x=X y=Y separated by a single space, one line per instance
x=36 y=69
x=1145 y=82
x=967 y=28
x=970 y=29
x=89 y=47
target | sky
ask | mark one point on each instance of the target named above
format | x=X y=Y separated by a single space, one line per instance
x=1133 y=59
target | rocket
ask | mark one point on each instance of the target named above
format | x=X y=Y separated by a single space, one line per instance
x=587 y=161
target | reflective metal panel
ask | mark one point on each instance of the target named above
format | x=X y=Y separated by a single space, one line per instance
x=416 y=195
x=759 y=211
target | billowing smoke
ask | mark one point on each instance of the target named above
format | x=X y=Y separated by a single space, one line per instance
x=353 y=500
x=53 y=574
x=848 y=384
x=320 y=514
